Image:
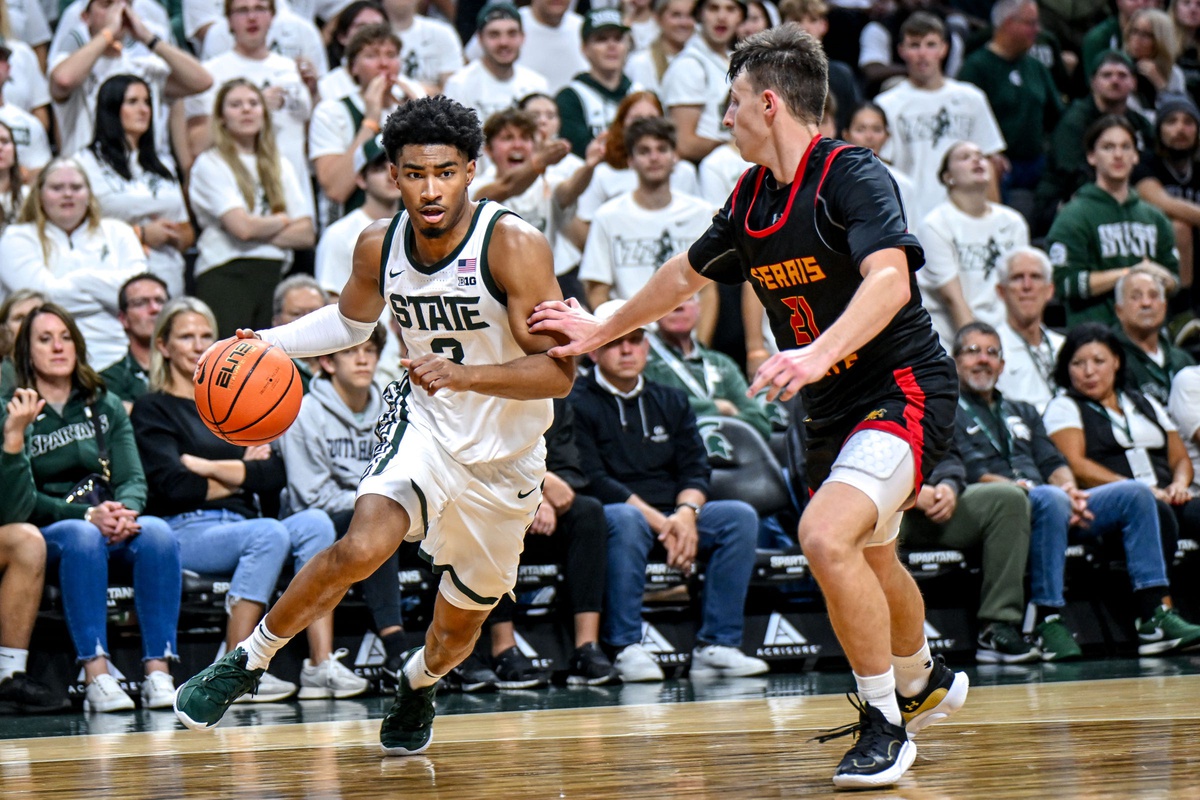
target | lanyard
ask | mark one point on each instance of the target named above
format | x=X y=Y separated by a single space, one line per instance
x=1042 y=358
x=680 y=369
x=1123 y=422
x=1002 y=445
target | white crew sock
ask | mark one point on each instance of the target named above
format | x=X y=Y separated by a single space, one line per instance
x=880 y=691
x=261 y=646
x=418 y=674
x=912 y=672
x=12 y=661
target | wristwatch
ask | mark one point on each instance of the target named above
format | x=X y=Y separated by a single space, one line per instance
x=693 y=506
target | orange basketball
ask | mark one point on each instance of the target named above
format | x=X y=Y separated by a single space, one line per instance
x=247 y=391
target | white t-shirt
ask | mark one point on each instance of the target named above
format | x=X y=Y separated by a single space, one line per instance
x=33 y=145
x=626 y=243
x=476 y=87
x=608 y=183
x=335 y=250
x=72 y=33
x=213 y=191
x=926 y=123
x=536 y=205
x=699 y=77
x=143 y=198
x=1184 y=407
x=290 y=36
x=332 y=129
x=640 y=69
x=1028 y=373
x=1062 y=413
x=719 y=174
x=429 y=49
x=338 y=82
x=77 y=115
x=26 y=86
x=83 y=274
x=290 y=122
x=27 y=23
x=970 y=248
x=644 y=33
x=553 y=53
x=875 y=47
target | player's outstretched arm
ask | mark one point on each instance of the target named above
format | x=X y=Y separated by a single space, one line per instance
x=674 y=282
x=523 y=268
x=348 y=322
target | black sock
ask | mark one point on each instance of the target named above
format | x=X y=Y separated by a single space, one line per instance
x=1148 y=601
x=393 y=644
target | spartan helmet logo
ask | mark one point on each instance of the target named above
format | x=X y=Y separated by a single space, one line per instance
x=716 y=443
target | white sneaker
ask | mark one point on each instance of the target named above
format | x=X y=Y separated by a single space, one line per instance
x=105 y=694
x=636 y=664
x=270 y=690
x=330 y=678
x=717 y=660
x=158 y=690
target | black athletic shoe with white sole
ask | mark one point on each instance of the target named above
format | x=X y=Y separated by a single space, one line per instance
x=881 y=754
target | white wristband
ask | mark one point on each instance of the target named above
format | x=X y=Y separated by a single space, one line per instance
x=326 y=330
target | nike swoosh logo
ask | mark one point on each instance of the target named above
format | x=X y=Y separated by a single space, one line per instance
x=523 y=495
x=974 y=429
x=396 y=274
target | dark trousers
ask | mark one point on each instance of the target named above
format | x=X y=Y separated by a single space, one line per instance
x=240 y=293
x=381 y=590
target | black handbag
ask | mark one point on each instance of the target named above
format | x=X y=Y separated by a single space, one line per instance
x=96 y=488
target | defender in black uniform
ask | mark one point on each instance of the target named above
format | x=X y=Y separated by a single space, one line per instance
x=819 y=231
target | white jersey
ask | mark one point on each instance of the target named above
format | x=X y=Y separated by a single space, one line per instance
x=454 y=309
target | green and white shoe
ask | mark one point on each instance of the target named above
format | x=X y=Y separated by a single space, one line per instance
x=202 y=701
x=407 y=728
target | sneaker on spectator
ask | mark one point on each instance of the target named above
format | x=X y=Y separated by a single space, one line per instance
x=1002 y=643
x=1166 y=631
x=635 y=664
x=472 y=675
x=20 y=694
x=105 y=694
x=270 y=690
x=590 y=667
x=158 y=690
x=881 y=754
x=1056 y=640
x=516 y=671
x=718 y=660
x=942 y=696
x=330 y=678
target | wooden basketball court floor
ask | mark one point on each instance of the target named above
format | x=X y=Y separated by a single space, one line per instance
x=1130 y=737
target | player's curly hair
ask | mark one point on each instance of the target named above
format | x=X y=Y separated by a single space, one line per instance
x=433 y=120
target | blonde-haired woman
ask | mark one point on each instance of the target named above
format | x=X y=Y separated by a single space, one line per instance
x=61 y=247
x=249 y=202
x=1153 y=44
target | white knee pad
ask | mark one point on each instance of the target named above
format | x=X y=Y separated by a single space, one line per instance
x=882 y=467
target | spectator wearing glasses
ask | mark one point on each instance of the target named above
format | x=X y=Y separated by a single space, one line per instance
x=140 y=300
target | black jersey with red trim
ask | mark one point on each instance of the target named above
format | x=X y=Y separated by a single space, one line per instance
x=801 y=246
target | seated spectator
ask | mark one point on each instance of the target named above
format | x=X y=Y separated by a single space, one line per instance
x=13 y=311
x=1184 y=408
x=118 y=42
x=72 y=429
x=1024 y=281
x=206 y=487
x=991 y=521
x=290 y=35
x=1166 y=177
x=929 y=112
x=325 y=452
x=588 y=104
x=140 y=299
x=1066 y=162
x=64 y=249
x=1110 y=432
x=24 y=129
x=1151 y=360
x=713 y=383
x=13 y=190
x=635 y=233
x=22 y=568
x=350 y=20
x=1003 y=441
x=813 y=17
x=964 y=238
x=287 y=97
x=552 y=32
x=1151 y=42
x=131 y=183
x=1106 y=230
x=654 y=488
x=647 y=66
x=251 y=210
x=495 y=81
x=695 y=86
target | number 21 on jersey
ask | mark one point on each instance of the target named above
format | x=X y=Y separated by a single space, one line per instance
x=803 y=321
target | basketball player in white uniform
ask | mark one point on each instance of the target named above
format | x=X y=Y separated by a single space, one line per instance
x=461 y=458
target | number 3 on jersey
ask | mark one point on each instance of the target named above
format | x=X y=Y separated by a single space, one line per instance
x=803 y=322
x=448 y=348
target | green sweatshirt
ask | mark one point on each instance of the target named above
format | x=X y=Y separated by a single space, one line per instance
x=1093 y=233
x=61 y=451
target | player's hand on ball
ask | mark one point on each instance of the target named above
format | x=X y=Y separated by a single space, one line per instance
x=434 y=373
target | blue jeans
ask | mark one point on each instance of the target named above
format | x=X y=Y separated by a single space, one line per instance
x=728 y=530
x=1125 y=506
x=220 y=542
x=83 y=554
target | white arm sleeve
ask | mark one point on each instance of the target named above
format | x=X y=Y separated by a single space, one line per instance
x=324 y=331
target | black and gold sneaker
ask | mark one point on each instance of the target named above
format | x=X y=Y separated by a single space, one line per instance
x=881 y=754
x=942 y=696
